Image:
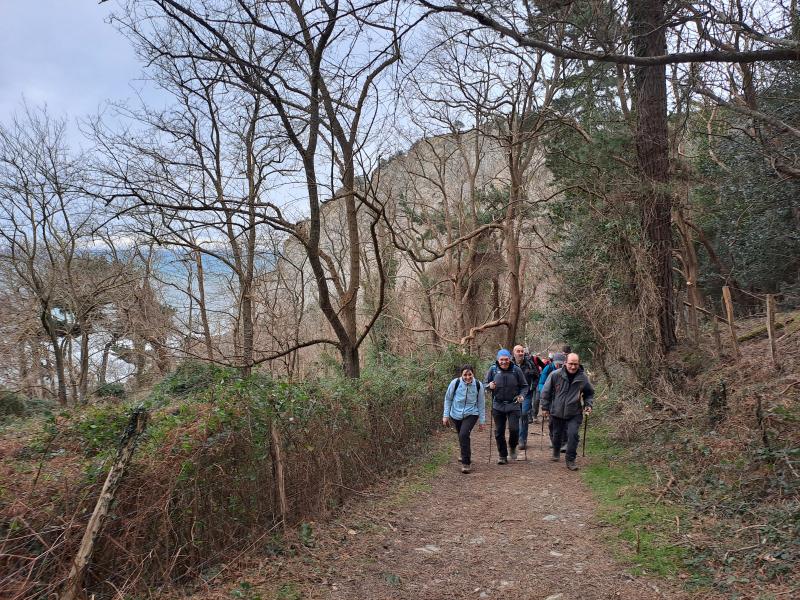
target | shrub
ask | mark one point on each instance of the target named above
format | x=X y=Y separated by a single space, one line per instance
x=12 y=404
x=203 y=482
x=110 y=390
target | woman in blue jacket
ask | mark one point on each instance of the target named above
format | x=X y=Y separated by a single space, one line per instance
x=465 y=405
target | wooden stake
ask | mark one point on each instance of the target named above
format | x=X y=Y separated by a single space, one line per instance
x=726 y=298
x=74 y=586
x=717 y=341
x=694 y=324
x=278 y=472
x=771 y=329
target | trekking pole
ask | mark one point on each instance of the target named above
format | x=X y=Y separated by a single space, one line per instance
x=541 y=439
x=585 y=427
x=490 y=437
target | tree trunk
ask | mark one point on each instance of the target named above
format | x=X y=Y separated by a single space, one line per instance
x=58 y=353
x=201 y=300
x=647 y=26
x=350 y=361
x=247 y=327
x=101 y=375
x=83 y=375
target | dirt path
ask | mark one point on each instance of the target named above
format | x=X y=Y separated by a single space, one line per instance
x=523 y=530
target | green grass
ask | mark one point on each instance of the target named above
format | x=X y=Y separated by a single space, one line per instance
x=419 y=480
x=645 y=532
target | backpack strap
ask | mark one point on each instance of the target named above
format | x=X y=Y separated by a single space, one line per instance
x=477 y=385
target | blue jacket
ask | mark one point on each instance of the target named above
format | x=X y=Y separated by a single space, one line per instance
x=463 y=400
x=548 y=368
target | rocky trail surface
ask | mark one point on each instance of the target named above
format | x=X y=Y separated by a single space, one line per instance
x=522 y=530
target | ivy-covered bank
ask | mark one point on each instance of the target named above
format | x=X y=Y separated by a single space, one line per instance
x=204 y=482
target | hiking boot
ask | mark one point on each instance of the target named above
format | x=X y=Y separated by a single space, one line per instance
x=513 y=455
x=466 y=469
x=531 y=419
x=522 y=446
x=502 y=460
x=564 y=449
x=571 y=465
x=555 y=457
x=521 y=457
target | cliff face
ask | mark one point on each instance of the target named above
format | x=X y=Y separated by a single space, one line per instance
x=413 y=209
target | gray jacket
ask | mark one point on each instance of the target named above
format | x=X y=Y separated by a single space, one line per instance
x=562 y=398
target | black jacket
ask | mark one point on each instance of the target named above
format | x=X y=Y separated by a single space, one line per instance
x=510 y=384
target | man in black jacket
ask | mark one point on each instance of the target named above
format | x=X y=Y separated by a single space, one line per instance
x=566 y=396
x=508 y=386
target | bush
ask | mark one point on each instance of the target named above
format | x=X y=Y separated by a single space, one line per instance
x=15 y=405
x=12 y=404
x=110 y=390
x=202 y=483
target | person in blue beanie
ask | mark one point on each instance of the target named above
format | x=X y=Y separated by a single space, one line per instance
x=465 y=405
x=508 y=386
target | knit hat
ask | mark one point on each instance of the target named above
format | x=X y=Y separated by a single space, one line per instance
x=559 y=358
x=503 y=353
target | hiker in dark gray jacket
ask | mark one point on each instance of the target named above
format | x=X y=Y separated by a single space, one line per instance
x=508 y=385
x=566 y=396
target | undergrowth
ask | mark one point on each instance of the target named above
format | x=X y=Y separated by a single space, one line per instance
x=646 y=532
x=720 y=453
x=202 y=485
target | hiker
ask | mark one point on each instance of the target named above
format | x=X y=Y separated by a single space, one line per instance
x=531 y=373
x=540 y=365
x=465 y=405
x=507 y=383
x=556 y=361
x=566 y=397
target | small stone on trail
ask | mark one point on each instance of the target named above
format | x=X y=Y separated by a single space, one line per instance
x=483 y=595
x=555 y=597
x=554 y=553
x=429 y=549
x=550 y=518
x=352 y=532
x=478 y=540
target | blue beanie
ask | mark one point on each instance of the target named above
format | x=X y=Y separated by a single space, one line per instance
x=503 y=353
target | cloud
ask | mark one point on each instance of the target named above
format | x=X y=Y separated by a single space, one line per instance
x=63 y=54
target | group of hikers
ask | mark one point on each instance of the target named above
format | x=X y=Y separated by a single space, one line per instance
x=521 y=385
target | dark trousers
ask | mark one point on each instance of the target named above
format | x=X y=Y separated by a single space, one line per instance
x=523 y=419
x=566 y=429
x=500 y=420
x=537 y=399
x=463 y=429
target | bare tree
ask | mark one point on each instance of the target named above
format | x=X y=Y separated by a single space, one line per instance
x=45 y=222
x=318 y=66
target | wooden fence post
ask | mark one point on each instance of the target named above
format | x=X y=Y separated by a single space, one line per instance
x=771 y=329
x=73 y=588
x=726 y=298
x=694 y=323
x=279 y=472
x=717 y=341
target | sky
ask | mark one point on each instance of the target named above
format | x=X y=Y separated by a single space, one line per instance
x=64 y=54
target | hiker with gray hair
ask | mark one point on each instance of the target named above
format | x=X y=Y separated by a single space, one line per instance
x=508 y=386
x=566 y=396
